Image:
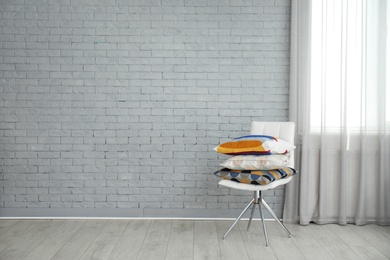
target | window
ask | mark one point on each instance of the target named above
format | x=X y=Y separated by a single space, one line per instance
x=350 y=66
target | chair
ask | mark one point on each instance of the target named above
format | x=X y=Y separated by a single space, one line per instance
x=282 y=130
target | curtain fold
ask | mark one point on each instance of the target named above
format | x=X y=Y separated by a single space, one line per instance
x=339 y=99
x=299 y=81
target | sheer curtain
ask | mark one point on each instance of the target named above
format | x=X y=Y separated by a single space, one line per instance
x=340 y=101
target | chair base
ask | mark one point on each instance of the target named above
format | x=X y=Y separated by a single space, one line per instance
x=258 y=200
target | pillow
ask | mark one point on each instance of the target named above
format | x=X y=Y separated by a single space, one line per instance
x=255 y=177
x=255 y=144
x=257 y=162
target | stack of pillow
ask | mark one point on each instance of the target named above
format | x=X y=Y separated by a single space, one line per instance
x=257 y=159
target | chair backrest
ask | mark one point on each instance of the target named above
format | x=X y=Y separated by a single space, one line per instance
x=282 y=130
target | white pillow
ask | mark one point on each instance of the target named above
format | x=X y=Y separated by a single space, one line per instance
x=257 y=162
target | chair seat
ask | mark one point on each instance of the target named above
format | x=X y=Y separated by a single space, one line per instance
x=252 y=187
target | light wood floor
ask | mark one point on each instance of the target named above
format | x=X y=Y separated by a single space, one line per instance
x=186 y=239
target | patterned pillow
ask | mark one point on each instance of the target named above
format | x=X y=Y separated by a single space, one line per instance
x=255 y=177
x=255 y=144
x=257 y=162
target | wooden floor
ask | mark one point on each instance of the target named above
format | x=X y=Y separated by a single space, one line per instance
x=186 y=239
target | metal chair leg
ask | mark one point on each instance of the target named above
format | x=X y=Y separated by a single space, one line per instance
x=257 y=199
x=239 y=217
x=263 y=224
x=275 y=217
x=250 y=219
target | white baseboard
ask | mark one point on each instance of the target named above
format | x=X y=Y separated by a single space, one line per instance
x=115 y=213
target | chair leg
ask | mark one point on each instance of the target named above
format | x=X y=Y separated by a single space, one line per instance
x=239 y=217
x=263 y=224
x=250 y=219
x=275 y=217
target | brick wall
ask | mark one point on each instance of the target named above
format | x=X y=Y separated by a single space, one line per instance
x=118 y=103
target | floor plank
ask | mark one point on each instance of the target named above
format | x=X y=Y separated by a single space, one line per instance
x=373 y=237
x=129 y=246
x=11 y=235
x=106 y=240
x=347 y=235
x=156 y=240
x=365 y=249
x=307 y=244
x=6 y=223
x=55 y=240
x=30 y=240
x=279 y=239
x=5 y=226
x=333 y=245
x=232 y=247
x=368 y=252
x=181 y=241
x=384 y=230
x=254 y=241
x=75 y=247
x=206 y=241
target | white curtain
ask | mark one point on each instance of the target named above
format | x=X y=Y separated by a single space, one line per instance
x=340 y=101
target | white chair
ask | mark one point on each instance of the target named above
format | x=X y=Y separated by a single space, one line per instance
x=282 y=130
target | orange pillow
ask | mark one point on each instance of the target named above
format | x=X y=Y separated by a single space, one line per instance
x=255 y=144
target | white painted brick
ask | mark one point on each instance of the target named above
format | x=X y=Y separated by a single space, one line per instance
x=119 y=103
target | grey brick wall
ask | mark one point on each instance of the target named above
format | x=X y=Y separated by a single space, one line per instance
x=118 y=103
